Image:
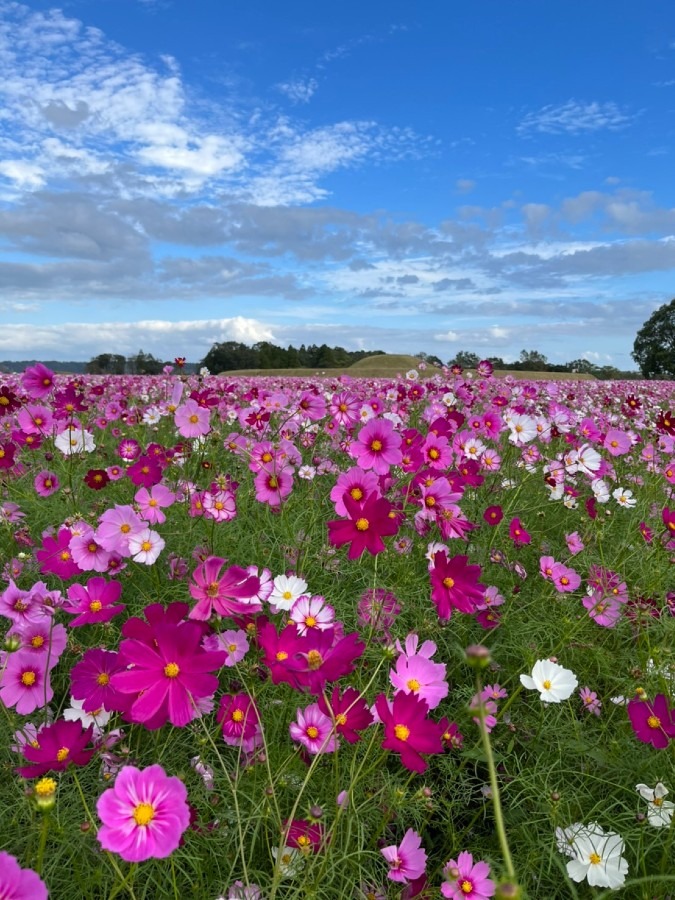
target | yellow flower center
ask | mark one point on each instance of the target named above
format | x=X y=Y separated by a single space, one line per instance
x=232 y=647
x=413 y=685
x=103 y=678
x=466 y=886
x=266 y=457
x=37 y=641
x=304 y=842
x=144 y=813
x=546 y=685
x=146 y=546
x=95 y=606
x=402 y=732
x=28 y=679
x=430 y=501
x=341 y=719
x=194 y=418
x=238 y=715
x=654 y=722
x=281 y=656
x=314 y=660
x=45 y=787
x=310 y=621
x=594 y=859
x=62 y=755
x=448 y=582
x=356 y=493
x=171 y=670
x=658 y=801
x=362 y=524
x=287 y=595
x=433 y=453
x=376 y=446
x=312 y=732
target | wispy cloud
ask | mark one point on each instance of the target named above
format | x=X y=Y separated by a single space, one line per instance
x=575 y=117
x=299 y=90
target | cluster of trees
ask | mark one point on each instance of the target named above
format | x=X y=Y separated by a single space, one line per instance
x=139 y=364
x=654 y=347
x=534 y=361
x=264 y=355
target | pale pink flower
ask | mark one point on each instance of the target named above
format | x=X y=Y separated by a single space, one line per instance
x=145 y=546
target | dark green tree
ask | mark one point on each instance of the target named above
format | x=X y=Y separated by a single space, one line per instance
x=106 y=364
x=533 y=361
x=465 y=359
x=654 y=347
x=144 y=364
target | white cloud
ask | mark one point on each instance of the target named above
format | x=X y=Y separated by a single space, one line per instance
x=575 y=117
x=23 y=174
x=299 y=90
x=447 y=336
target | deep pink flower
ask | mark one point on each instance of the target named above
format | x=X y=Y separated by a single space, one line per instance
x=378 y=446
x=240 y=721
x=407 y=730
x=144 y=815
x=454 y=584
x=369 y=521
x=38 y=381
x=90 y=681
x=466 y=880
x=653 y=721
x=418 y=675
x=17 y=883
x=7 y=451
x=349 y=712
x=42 y=638
x=170 y=678
x=326 y=659
x=355 y=482
x=273 y=487
x=58 y=745
x=93 y=603
x=55 y=556
x=565 y=579
x=408 y=861
x=282 y=652
x=231 y=593
x=46 y=483
x=146 y=471
x=517 y=533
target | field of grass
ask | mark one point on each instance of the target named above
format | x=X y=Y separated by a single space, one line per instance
x=390 y=365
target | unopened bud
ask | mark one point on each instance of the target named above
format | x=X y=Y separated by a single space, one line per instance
x=12 y=643
x=477 y=656
x=315 y=812
x=555 y=796
x=508 y=890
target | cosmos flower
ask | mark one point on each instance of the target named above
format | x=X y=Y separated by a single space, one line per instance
x=553 y=682
x=408 y=860
x=144 y=815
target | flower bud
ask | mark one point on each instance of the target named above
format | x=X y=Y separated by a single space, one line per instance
x=12 y=643
x=508 y=890
x=477 y=656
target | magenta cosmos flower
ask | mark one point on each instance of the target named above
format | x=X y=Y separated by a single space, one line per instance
x=19 y=884
x=378 y=446
x=369 y=521
x=234 y=592
x=454 y=584
x=314 y=730
x=240 y=721
x=465 y=880
x=94 y=603
x=57 y=746
x=144 y=814
x=407 y=730
x=653 y=721
x=38 y=381
x=24 y=683
x=170 y=676
x=408 y=861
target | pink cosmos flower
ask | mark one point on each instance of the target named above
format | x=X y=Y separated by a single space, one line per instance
x=590 y=700
x=55 y=556
x=605 y=611
x=145 y=471
x=144 y=815
x=232 y=593
x=240 y=722
x=314 y=730
x=349 y=713
x=574 y=543
x=220 y=506
x=273 y=487
x=88 y=554
x=378 y=446
x=17 y=883
x=115 y=528
x=192 y=420
x=93 y=603
x=46 y=483
x=369 y=521
x=408 y=861
x=42 y=638
x=170 y=678
x=565 y=579
x=420 y=676
x=617 y=442
x=355 y=482
x=234 y=643
x=24 y=682
x=90 y=681
x=23 y=607
x=517 y=533
x=312 y=612
x=150 y=502
x=466 y=880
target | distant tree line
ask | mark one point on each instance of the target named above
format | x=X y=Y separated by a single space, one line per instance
x=231 y=355
x=534 y=361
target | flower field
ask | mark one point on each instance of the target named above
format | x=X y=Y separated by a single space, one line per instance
x=274 y=638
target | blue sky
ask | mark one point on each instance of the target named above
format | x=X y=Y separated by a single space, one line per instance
x=443 y=176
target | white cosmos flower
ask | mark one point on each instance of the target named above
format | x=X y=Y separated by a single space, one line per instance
x=98 y=717
x=660 y=811
x=598 y=858
x=553 y=682
x=624 y=498
x=74 y=440
x=287 y=589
